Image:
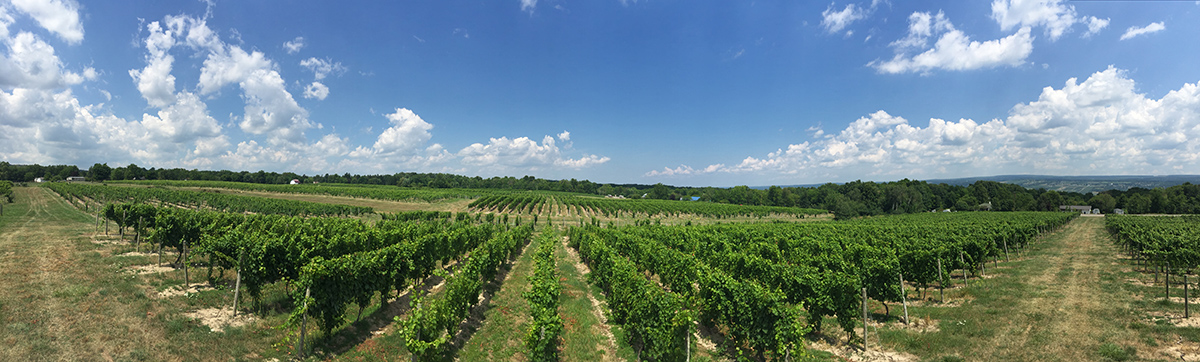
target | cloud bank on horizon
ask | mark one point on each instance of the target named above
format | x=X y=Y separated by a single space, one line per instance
x=216 y=97
x=1090 y=127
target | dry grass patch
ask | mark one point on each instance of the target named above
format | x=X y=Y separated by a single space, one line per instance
x=217 y=319
x=855 y=353
x=148 y=269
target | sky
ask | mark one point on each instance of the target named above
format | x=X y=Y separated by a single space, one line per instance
x=695 y=93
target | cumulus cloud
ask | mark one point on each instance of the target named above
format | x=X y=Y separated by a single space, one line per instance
x=1094 y=25
x=271 y=110
x=524 y=153
x=1135 y=31
x=953 y=50
x=408 y=133
x=41 y=120
x=1056 y=16
x=403 y=144
x=155 y=82
x=316 y=90
x=1100 y=125
x=60 y=17
x=835 y=21
x=293 y=46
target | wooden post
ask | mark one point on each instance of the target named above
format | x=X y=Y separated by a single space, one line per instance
x=864 y=307
x=1005 y=250
x=237 y=287
x=137 y=237
x=1185 y=295
x=941 y=285
x=688 y=357
x=1167 y=279
x=303 y=322
x=186 y=283
x=904 y=298
x=964 y=263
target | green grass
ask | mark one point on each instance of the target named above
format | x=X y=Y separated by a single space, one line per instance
x=583 y=339
x=1063 y=300
x=66 y=298
x=506 y=318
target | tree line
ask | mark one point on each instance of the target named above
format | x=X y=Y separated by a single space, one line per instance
x=857 y=198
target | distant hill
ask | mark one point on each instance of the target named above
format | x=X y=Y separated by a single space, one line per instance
x=1081 y=184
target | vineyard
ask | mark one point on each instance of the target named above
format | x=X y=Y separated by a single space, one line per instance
x=1169 y=245
x=759 y=281
x=102 y=194
x=378 y=192
x=748 y=291
x=565 y=204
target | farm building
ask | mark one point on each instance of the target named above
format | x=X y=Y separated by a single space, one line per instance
x=1082 y=209
x=39 y=180
x=76 y=178
x=294 y=182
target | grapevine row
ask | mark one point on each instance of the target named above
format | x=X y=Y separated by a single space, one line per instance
x=197 y=199
x=541 y=339
x=433 y=322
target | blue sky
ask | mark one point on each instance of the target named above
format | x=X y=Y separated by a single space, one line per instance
x=681 y=92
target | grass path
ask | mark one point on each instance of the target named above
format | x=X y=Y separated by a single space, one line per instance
x=52 y=308
x=66 y=298
x=1061 y=302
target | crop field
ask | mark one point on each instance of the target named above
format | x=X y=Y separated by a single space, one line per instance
x=169 y=272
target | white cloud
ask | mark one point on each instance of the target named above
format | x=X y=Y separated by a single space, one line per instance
x=316 y=90
x=322 y=67
x=684 y=170
x=42 y=122
x=32 y=63
x=184 y=121
x=523 y=153
x=528 y=5
x=1055 y=15
x=1094 y=25
x=564 y=136
x=155 y=81
x=402 y=144
x=835 y=21
x=407 y=134
x=230 y=65
x=293 y=46
x=1135 y=31
x=1098 y=126
x=60 y=17
x=922 y=25
x=271 y=110
x=954 y=50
